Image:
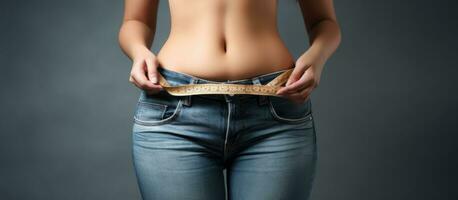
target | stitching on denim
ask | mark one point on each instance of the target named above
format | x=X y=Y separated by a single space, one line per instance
x=147 y=103
x=307 y=117
x=162 y=121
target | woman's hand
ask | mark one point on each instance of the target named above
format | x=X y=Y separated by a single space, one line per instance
x=304 y=78
x=144 y=71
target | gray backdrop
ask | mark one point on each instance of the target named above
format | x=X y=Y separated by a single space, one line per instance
x=386 y=108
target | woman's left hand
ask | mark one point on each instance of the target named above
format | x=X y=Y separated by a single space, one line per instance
x=304 y=78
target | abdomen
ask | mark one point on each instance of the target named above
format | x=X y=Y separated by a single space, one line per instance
x=224 y=40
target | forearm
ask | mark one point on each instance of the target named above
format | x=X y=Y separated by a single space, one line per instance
x=135 y=37
x=324 y=38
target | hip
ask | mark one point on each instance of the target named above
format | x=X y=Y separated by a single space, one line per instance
x=224 y=123
x=164 y=108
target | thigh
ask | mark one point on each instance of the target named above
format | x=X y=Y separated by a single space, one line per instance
x=278 y=166
x=173 y=155
x=171 y=167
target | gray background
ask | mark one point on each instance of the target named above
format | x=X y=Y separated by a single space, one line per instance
x=386 y=108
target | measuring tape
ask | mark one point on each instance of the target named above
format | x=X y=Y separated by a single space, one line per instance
x=270 y=88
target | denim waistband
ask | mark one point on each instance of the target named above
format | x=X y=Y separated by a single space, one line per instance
x=176 y=78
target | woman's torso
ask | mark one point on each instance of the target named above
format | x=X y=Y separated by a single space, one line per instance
x=224 y=40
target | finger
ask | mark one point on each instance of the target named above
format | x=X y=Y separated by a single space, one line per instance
x=149 y=89
x=139 y=75
x=133 y=81
x=297 y=86
x=131 y=76
x=152 y=70
x=295 y=75
x=299 y=97
x=152 y=74
x=294 y=87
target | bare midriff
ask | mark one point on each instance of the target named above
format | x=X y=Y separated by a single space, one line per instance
x=224 y=40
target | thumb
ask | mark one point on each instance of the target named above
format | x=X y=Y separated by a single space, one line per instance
x=152 y=70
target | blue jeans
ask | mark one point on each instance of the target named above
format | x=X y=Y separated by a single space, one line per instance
x=182 y=144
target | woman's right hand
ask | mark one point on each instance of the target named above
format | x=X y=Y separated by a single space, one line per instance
x=144 y=73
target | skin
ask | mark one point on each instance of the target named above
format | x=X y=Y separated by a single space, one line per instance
x=227 y=40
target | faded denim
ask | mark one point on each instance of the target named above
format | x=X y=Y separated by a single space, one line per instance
x=182 y=144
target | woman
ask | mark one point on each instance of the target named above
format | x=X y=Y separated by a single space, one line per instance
x=266 y=143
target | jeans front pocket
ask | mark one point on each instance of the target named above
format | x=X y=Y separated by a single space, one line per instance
x=285 y=110
x=156 y=109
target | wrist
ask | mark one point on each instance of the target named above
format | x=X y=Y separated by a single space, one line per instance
x=311 y=57
x=139 y=52
x=316 y=53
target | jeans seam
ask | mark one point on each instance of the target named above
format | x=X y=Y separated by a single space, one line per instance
x=307 y=117
x=162 y=121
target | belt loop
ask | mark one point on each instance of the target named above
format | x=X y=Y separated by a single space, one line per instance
x=187 y=99
x=262 y=99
